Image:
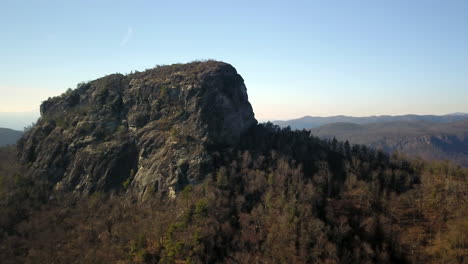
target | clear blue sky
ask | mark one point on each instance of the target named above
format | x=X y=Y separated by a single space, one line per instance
x=297 y=57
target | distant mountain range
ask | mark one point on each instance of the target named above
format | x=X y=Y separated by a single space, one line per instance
x=436 y=140
x=170 y=164
x=9 y=136
x=308 y=122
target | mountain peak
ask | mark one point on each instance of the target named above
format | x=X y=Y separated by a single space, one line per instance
x=146 y=132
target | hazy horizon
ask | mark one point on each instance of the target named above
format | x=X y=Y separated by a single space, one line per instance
x=20 y=120
x=320 y=59
x=137 y=142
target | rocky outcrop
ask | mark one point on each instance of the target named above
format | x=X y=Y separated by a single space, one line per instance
x=146 y=132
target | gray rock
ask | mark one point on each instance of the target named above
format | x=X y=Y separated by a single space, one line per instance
x=147 y=133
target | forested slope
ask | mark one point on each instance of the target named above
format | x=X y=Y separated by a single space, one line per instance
x=286 y=198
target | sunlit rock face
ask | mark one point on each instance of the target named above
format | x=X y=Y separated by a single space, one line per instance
x=145 y=133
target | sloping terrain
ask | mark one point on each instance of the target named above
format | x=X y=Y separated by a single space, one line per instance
x=308 y=122
x=9 y=136
x=170 y=166
x=432 y=141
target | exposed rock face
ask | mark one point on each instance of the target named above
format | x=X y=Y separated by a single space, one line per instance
x=147 y=132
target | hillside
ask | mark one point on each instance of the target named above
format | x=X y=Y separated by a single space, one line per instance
x=431 y=141
x=170 y=166
x=9 y=136
x=308 y=122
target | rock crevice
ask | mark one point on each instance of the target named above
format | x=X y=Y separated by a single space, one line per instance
x=146 y=132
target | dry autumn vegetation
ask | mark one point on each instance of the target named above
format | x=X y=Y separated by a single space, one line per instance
x=288 y=198
x=170 y=166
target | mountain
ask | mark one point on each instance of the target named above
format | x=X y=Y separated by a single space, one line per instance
x=9 y=136
x=308 y=122
x=169 y=165
x=432 y=141
x=458 y=114
x=155 y=126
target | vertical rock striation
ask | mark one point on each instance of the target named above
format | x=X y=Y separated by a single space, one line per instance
x=146 y=132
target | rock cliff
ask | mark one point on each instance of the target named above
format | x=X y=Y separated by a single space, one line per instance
x=146 y=132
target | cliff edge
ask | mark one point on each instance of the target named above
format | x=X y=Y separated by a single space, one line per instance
x=145 y=132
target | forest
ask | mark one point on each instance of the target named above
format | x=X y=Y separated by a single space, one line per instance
x=280 y=196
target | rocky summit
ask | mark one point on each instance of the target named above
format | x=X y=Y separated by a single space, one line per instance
x=144 y=133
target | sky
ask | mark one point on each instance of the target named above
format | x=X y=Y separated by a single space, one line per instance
x=297 y=58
